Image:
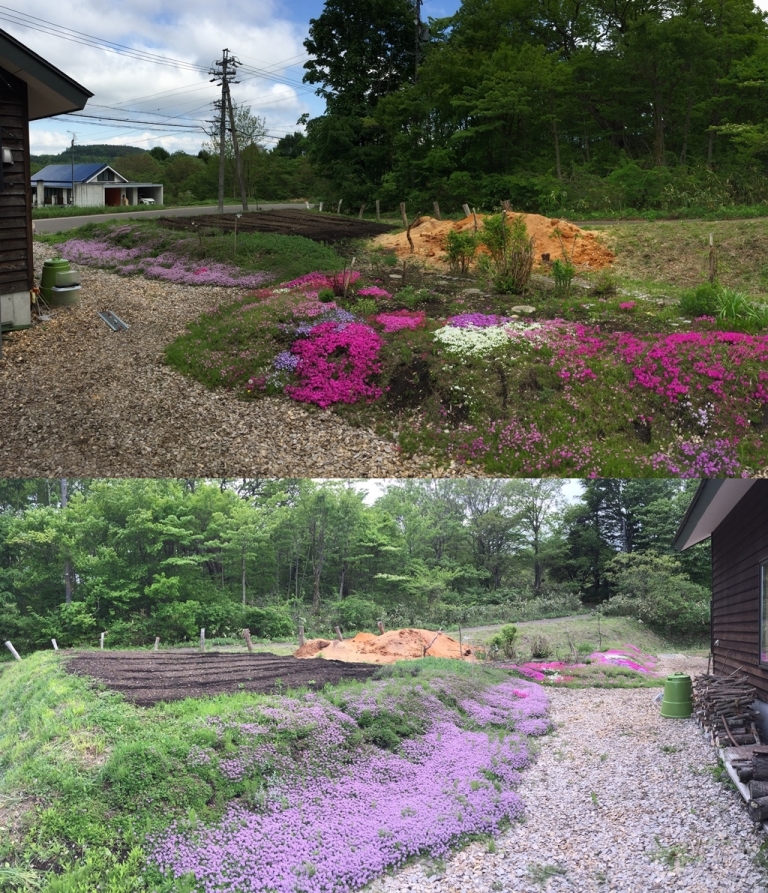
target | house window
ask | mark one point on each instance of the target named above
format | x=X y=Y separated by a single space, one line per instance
x=764 y=613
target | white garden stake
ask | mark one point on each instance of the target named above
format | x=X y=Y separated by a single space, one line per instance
x=101 y=641
x=55 y=646
x=13 y=651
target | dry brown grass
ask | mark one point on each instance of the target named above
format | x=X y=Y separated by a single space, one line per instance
x=676 y=252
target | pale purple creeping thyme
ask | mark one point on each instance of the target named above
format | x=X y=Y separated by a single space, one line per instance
x=168 y=266
x=478 y=320
x=337 y=815
x=286 y=361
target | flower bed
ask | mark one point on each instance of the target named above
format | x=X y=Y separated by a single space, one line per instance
x=338 y=814
x=516 y=397
x=630 y=657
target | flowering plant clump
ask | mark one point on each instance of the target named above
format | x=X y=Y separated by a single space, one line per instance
x=375 y=291
x=629 y=656
x=329 y=816
x=401 y=319
x=478 y=320
x=336 y=361
x=472 y=340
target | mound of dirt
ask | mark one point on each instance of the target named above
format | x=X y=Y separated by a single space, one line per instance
x=551 y=236
x=397 y=644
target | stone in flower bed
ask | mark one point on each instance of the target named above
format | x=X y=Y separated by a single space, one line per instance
x=514 y=397
x=337 y=815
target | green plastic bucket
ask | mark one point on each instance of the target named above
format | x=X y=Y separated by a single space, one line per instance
x=48 y=279
x=677 y=702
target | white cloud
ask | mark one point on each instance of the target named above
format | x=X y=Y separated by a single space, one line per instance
x=194 y=32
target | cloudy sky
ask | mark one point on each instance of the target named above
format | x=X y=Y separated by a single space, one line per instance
x=266 y=35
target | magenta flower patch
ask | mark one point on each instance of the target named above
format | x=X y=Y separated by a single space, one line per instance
x=398 y=320
x=336 y=362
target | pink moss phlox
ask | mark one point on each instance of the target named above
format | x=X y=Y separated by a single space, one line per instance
x=335 y=364
x=401 y=319
x=318 y=280
x=374 y=291
x=627 y=305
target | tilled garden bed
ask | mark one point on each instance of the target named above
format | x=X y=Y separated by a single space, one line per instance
x=148 y=677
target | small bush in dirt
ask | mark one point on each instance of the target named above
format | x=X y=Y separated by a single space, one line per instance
x=509 y=262
x=411 y=297
x=563 y=272
x=505 y=641
x=541 y=648
x=460 y=250
x=605 y=284
x=326 y=295
x=701 y=301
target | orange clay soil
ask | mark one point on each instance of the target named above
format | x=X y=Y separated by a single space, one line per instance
x=429 y=236
x=397 y=644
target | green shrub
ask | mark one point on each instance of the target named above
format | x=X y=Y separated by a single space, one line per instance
x=563 y=272
x=541 y=647
x=460 y=250
x=505 y=641
x=355 y=614
x=387 y=729
x=653 y=588
x=509 y=263
x=269 y=623
x=701 y=301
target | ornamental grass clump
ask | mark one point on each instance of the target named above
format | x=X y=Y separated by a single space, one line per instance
x=343 y=791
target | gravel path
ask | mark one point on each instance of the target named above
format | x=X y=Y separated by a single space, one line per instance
x=79 y=400
x=608 y=809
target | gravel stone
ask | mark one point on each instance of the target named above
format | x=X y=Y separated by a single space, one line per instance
x=607 y=809
x=77 y=399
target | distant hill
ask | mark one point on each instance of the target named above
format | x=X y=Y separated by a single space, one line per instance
x=86 y=154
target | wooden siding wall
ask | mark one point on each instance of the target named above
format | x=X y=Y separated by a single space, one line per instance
x=739 y=544
x=16 y=268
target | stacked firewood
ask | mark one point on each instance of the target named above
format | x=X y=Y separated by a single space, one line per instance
x=753 y=771
x=722 y=705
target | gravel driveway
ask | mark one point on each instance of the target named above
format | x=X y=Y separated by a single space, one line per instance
x=610 y=810
x=77 y=399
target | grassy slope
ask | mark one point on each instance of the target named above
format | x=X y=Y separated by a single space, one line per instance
x=85 y=776
x=676 y=252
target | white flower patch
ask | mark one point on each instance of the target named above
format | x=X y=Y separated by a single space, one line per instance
x=472 y=340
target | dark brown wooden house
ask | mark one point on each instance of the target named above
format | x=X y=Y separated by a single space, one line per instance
x=734 y=513
x=30 y=88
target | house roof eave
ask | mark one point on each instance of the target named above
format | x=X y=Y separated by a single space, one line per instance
x=711 y=504
x=49 y=91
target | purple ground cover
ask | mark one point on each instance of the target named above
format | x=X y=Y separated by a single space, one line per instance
x=168 y=266
x=337 y=815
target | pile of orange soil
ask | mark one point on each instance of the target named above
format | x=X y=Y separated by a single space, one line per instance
x=429 y=236
x=397 y=644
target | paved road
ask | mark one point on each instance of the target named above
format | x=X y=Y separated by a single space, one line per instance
x=61 y=224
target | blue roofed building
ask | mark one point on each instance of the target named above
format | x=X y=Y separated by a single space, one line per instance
x=94 y=184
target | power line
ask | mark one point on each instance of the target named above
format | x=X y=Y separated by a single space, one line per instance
x=131 y=121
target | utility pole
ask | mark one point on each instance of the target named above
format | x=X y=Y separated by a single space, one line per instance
x=72 y=158
x=224 y=71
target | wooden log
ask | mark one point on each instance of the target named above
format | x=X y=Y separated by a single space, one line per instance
x=339 y=635
x=362 y=208
x=378 y=211
x=381 y=627
x=403 y=214
x=758 y=809
x=202 y=638
x=745 y=775
x=758 y=789
x=436 y=209
x=466 y=210
x=301 y=634
x=157 y=643
x=760 y=767
x=248 y=641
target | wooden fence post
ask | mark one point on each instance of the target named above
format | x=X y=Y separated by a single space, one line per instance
x=436 y=208
x=466 y=210
x=339 y=635
x=320 y=207
x=13 y=651
x=362 y=208
x=403 y=214
x=55 y=646
x=101 y=640
x=202 y=638
x=381 y=627
x=377 y=211
x=157 y=642
x=247 y=637
x=338 y=210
